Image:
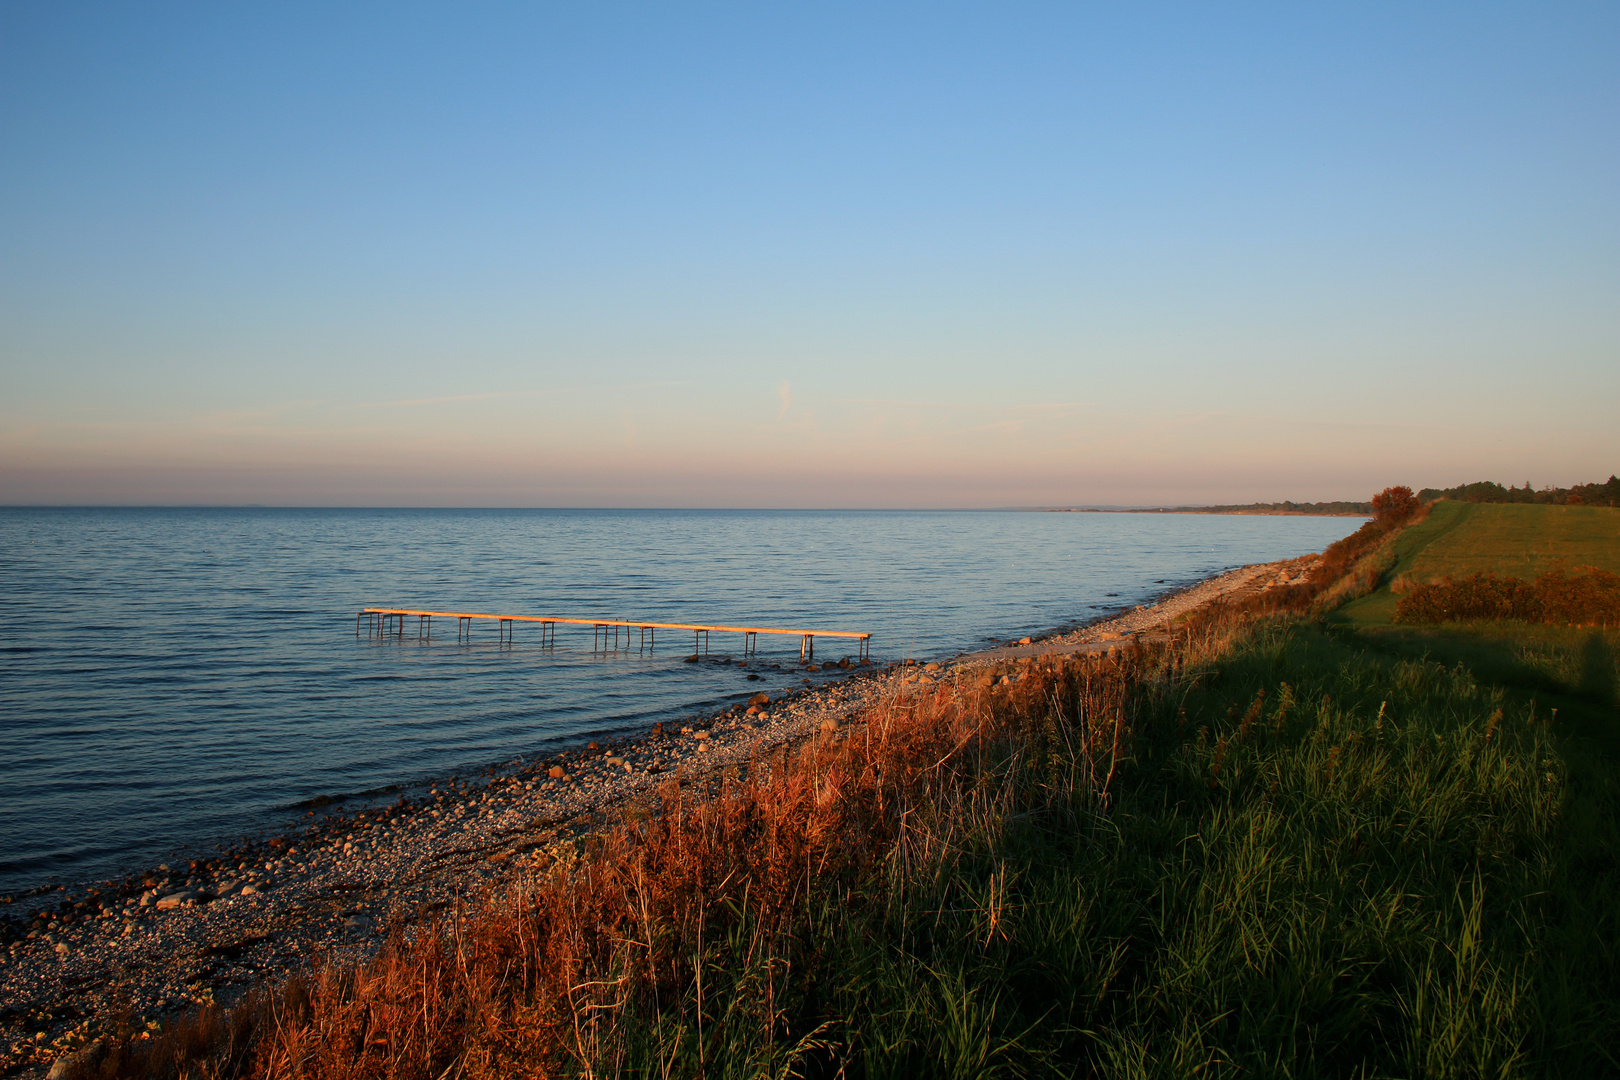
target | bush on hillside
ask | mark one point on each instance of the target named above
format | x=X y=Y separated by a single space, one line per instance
x=1394 y=505
x=1554 y=597
x=1585 y=598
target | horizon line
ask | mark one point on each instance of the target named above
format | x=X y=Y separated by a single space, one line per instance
x=1088 y=507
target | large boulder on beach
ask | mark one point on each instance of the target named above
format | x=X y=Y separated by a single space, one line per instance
x=760 y=699
x=82 y=1063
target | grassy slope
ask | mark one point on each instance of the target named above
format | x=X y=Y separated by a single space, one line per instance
x=1459 y=538
x=1329 y=860
x=1410 y=869
x=1523 y=541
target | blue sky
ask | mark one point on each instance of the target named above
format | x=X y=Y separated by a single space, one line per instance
x=775 y=255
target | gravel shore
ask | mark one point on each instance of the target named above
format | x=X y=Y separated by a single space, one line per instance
x=155 y=945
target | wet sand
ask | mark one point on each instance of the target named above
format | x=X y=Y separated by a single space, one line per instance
x=158 y=944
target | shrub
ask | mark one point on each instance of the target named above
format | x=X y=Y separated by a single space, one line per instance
x=1479 y=596
x=1554 y=597
x=1394 y=505
x=1585 y=598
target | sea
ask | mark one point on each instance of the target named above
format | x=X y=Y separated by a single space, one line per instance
x=173 y=678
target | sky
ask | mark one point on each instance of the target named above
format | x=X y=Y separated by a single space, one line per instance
x=792 y=255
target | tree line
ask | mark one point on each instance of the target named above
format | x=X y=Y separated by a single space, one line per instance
x=1486 y=491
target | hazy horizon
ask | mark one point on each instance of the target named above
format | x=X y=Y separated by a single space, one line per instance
x=1100 y=508
x=900 y=256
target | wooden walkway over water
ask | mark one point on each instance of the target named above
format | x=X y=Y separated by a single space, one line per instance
x=390 y=622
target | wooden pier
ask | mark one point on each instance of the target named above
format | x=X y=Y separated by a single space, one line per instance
x=386 y=622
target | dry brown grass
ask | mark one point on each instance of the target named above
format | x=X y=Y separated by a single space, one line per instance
x=540 y=979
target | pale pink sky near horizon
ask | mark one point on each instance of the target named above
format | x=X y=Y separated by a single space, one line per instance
x=811 y=450
x=874 y=256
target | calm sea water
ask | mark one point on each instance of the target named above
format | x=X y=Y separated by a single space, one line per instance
x=172 y=677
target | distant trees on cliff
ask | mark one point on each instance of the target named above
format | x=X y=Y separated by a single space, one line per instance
x=1486 y=491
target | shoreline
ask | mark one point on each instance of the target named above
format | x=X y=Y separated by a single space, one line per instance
x=160 y=943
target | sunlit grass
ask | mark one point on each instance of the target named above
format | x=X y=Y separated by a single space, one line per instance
x=1523 y=541
x=1273 y=849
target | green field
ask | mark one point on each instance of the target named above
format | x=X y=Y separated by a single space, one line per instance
x=1458 y=539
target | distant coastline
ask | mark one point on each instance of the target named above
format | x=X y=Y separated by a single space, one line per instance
x=1282 y=509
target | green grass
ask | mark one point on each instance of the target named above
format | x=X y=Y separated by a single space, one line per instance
x=1568 y=667
x=1520 y=541
x=1336 y=854
x=1458 y=539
